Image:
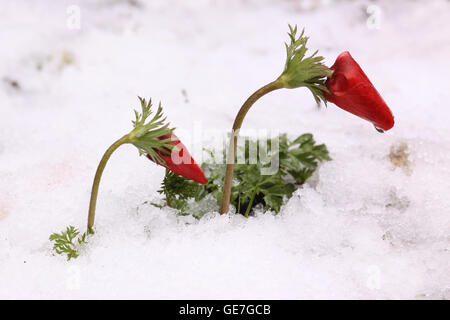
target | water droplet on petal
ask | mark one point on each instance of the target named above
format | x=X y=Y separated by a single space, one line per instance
x=379 y=130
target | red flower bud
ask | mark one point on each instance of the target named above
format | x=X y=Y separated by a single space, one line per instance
x=180 y=161
x=351 y=90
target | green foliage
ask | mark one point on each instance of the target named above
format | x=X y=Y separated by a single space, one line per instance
x=145 y=135
x=180 y=191
x=307 y=72
x=172 y=185
x=297 y=159
x=301 y=157
x=64 y=242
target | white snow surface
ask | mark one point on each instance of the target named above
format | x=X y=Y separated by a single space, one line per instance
x=361 y=228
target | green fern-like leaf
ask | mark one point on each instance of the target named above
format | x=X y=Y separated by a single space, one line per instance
x=64 y=242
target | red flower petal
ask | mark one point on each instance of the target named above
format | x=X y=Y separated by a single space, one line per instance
x=180 y=161
x=351 y=90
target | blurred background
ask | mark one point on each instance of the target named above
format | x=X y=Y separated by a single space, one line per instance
x=83 y=60
x=70 y=73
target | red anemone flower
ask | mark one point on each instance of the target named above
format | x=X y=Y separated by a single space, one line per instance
x=351 y=90
x=180 y=161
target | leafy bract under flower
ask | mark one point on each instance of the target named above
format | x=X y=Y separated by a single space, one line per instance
x=301 y=71
x=146 y=134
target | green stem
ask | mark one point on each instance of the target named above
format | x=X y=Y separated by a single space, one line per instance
x=247 y=211
x=239 y=204
x=98 y=176
x=168 y=202
x=277 y=84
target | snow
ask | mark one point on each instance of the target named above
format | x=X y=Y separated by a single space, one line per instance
x=364 y=227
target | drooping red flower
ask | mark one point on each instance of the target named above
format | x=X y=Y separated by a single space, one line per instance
x=180 y=161
x=351 y=90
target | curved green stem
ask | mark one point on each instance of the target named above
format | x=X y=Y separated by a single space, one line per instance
x=277 y=84
x=98 y=176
